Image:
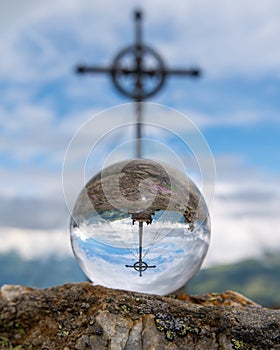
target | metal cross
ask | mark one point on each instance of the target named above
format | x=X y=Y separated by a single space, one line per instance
x=138 y=72
x=141 y=265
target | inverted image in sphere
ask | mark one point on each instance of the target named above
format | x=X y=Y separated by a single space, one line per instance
x=142 y=226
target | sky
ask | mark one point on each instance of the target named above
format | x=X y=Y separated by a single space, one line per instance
x=235 y=105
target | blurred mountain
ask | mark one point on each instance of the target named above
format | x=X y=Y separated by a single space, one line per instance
x=257 y=279
x=42 y=273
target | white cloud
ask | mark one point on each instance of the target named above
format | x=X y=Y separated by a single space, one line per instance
x=225 y=38
x=34 y=213
x=245 y=214
x=240 y=237
x=237 y=118
x=35 y=243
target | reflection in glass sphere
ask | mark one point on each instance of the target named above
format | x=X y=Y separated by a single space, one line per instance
x=142 y=226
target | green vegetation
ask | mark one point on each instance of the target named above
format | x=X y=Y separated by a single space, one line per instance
x=38 y=273
x=259 y=280
x=6 y=344
x=239 y=345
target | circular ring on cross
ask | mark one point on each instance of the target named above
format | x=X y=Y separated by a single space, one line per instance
x=140 y=266
x=138 y=72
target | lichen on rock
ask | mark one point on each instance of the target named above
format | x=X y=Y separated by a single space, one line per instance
x=82 y=316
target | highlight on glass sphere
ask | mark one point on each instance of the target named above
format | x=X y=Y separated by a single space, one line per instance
x=142 y=226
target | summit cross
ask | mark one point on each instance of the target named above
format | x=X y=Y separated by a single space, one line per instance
x=138 y=72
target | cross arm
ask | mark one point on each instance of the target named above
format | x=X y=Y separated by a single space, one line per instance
x=194 y=72
x=92 y=69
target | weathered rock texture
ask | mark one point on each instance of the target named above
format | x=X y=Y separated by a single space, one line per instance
x=82 y=316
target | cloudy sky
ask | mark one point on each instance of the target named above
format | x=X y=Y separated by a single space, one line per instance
x=235 y=104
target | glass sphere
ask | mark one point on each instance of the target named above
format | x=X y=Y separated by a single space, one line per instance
x=142 y=226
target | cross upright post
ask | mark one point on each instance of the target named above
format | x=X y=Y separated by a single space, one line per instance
x=138 y=83
x=138 y=72
x=141 y=78
x=140 y=265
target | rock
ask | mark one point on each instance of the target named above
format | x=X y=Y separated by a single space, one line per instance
x=10 y=292
x=82 y=316
x=228 y=298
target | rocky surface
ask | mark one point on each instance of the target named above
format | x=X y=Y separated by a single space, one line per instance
x=82 y=316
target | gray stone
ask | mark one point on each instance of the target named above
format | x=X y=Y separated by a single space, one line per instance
x=82 y=316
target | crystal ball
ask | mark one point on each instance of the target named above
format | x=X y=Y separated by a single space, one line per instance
x=140 y=225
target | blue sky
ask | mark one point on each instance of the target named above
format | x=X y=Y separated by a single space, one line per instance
x=235 y=104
